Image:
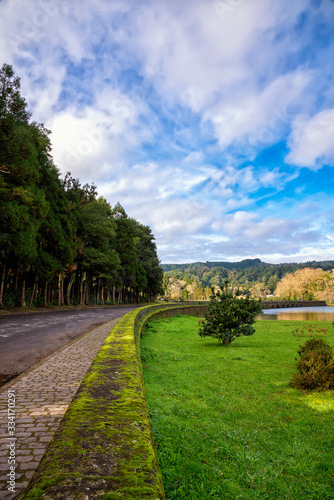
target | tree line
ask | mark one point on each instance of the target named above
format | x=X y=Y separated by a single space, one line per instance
x=60 y=243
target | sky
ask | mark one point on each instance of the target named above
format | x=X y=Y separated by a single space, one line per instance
x=210 y=121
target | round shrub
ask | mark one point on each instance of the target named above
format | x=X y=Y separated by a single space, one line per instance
x=229 y=316
x=315 y=366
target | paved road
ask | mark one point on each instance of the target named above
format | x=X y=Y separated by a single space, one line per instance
x=25 y=339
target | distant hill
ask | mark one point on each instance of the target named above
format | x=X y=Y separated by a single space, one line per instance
x=244 y=264
x=199 y=277
x=248 y=263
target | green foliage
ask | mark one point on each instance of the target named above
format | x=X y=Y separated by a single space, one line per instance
x=98 y=234
x=315 y=366
x=229 y=317
x=12 y=299
x=12 y=104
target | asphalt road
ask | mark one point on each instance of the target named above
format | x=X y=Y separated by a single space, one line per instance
x=27 y=338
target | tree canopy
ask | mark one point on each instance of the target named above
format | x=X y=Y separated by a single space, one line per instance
x=59 y=242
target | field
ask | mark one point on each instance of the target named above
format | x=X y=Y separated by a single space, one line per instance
x=225 y=421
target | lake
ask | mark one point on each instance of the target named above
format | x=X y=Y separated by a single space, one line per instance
x=325 y=313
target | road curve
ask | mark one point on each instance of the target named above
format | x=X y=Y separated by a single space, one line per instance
x=25 y=339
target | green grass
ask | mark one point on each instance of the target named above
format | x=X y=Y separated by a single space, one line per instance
x=225 y=421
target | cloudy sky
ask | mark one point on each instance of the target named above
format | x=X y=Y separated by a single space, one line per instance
x=210 y=121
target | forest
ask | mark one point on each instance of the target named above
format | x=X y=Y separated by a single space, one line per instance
x=292 y=281
x=60 y=243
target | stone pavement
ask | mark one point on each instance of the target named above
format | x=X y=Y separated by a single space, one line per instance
x=42 y=396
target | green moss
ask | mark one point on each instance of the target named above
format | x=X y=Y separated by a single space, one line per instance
x=36 y=493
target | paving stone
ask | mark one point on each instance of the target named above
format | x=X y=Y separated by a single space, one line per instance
x=29 y=466
x=28 y=458
x=45 y=439
x=38 y=451
x=28 y=475
x=42 y=397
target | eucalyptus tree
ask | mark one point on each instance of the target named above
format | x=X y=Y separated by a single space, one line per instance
x=148 y=262
x=100 y=259
x=126 y=249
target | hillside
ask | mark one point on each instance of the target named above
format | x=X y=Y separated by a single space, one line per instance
x=196 y=280
x=244 y=264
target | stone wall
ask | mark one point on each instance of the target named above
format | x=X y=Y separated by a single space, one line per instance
x=273 y=304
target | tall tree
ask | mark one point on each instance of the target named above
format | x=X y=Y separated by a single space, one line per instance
x=126 y=249
x=99 y=257
x=150 y=273
x=12 y=105
x=22 y=201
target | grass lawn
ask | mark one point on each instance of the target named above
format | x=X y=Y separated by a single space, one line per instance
x=226 y=424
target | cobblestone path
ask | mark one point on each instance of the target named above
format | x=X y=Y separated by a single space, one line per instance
x=42 y=396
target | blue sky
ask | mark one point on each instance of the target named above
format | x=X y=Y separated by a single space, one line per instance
x=210 y=121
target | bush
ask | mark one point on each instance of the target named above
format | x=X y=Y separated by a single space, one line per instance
x=229 y=317
x=12 y=299
x=315 y=366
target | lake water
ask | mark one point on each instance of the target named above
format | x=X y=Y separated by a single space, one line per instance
x=325 y=313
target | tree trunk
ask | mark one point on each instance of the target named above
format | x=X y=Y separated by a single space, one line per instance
x=59 y=297
x=102 y=294
x=45 y=302
x=62 y=300
x=87 y=291
x=33 y=291
x=2 y=283
x=23 y=294
x=16 y=279
x=97 y=291
x=32 y=294
x=68 y=291
x=119 y=295
x=81 y=289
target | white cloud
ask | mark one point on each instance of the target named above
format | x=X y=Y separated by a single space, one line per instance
x=93 y=141
x=213 y=65
x=261 y=115
x=236 y=223
x=156 y=102
x=312 y=140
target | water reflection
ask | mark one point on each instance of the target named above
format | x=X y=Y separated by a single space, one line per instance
x=324 y=313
